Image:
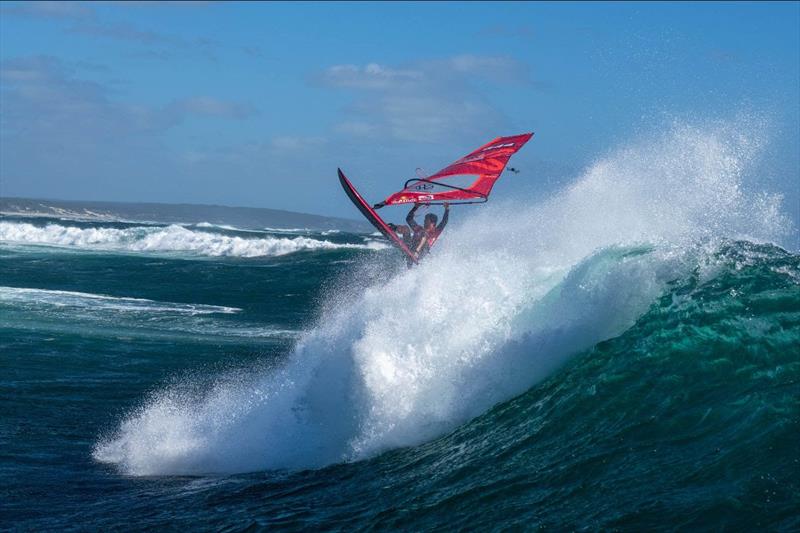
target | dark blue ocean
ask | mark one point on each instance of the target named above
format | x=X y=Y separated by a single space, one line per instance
x=624 y=355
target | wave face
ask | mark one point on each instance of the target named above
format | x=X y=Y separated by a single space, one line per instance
x=509 y=296
x=690 y=417
x=167 y=239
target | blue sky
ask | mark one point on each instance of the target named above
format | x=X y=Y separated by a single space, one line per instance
x=257 y=104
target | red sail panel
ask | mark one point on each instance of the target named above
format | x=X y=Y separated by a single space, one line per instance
x=480 y=168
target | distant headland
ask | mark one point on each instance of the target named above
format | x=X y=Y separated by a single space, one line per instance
x=242 y=217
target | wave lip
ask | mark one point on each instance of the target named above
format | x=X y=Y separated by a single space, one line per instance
x=169 y=239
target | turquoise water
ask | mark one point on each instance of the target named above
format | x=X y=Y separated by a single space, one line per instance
x=689 y=416
x=624 y=354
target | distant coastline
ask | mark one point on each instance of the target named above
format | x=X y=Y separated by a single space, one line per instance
x=242 y=217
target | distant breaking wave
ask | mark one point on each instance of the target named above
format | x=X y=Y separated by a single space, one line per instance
x=171 y=238
x=251 y=230
x=72 y=299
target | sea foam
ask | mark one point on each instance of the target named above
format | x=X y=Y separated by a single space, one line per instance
x=508 y=296
x=83 y=300
x=169 y=239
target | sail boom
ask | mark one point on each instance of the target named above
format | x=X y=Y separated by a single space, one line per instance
x=482 y=166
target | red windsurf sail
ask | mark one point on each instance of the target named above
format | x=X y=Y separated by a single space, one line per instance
x=468 y=180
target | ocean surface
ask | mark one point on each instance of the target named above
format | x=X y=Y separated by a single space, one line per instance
x=623 y=355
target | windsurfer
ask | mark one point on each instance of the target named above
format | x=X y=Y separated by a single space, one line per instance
x=423 y=237
x=481 y=168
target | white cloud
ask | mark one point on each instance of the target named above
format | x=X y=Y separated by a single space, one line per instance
x=82 y=18
x=371 y=76
x=431 y=116
x=501 y=68
x=44 y=95
x=61 y=132
x=427 y=101
x=64 y=135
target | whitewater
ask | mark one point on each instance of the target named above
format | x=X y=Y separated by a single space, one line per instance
x=173 y=238
x=414 y=354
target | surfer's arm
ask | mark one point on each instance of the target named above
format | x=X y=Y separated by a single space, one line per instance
x=420 y=245
x=410 y=218
x=445 y=218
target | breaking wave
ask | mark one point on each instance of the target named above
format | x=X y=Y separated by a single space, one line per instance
x=508 y=297
x=173 y=238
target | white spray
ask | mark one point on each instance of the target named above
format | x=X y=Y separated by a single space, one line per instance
x=509 y=295
x=168 y=239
